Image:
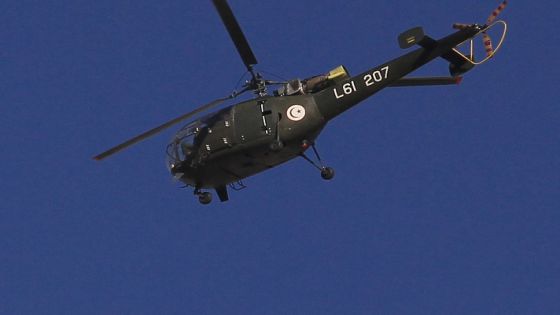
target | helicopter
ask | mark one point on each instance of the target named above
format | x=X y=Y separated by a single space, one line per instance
x=220 y=149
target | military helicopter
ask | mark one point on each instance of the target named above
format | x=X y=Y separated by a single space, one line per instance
x=222 y=148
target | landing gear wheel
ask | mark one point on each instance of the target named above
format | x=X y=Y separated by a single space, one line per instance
x=205 y=198
x=327 y=173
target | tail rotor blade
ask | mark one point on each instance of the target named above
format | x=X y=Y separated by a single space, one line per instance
x=496 y=12
x=487 y=44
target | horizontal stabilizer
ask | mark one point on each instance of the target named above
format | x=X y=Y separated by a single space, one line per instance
x=411 y=37
x=426 y=81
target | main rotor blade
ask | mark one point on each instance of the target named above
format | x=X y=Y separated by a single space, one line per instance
x=158 y=129
x=235 y=33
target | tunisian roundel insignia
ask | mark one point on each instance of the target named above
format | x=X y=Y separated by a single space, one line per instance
x=296 y=112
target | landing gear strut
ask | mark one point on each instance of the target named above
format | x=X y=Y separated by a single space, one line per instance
x=327 y=173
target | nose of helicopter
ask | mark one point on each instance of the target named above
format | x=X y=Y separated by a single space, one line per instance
x=176 y=170
x=182 y=172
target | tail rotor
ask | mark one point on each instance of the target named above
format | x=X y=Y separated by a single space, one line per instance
x=486 y=39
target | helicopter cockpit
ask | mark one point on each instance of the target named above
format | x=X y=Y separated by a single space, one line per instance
x=184 y=146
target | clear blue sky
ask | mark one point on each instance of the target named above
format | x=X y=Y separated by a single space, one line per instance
x=446 y=199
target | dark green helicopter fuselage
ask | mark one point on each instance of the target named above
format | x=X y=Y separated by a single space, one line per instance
x=255 y=135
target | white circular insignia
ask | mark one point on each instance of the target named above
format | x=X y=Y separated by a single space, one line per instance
x=296 y=112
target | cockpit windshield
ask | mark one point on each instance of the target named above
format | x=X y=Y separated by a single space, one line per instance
x=183 y=146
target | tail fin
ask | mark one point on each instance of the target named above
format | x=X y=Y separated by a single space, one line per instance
x=411 y=37
x=459 y=62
